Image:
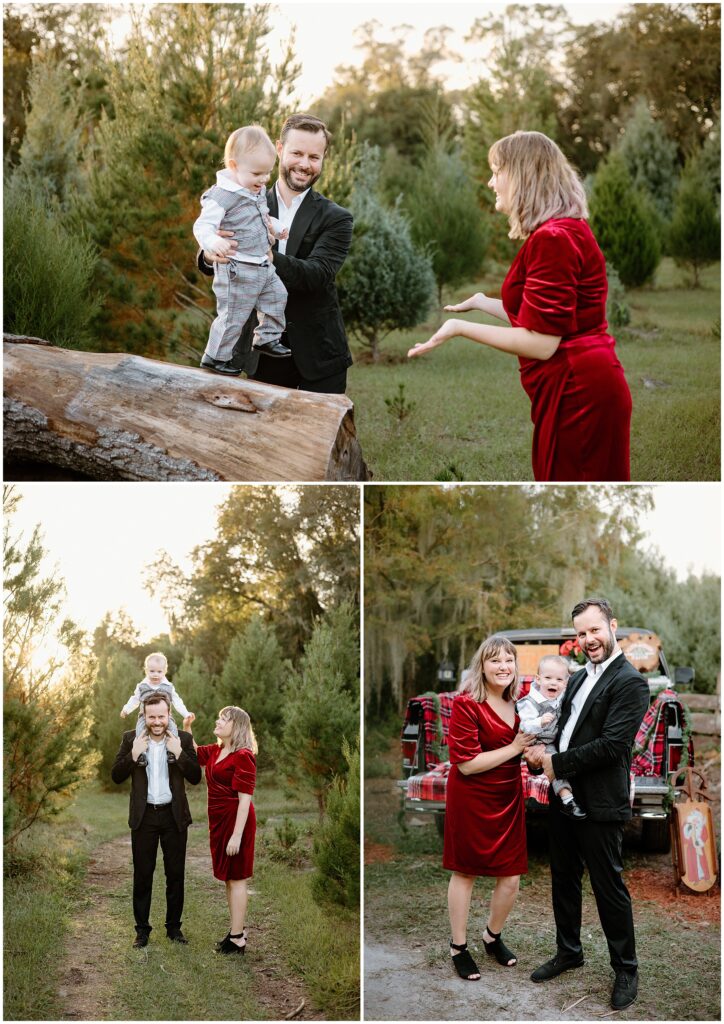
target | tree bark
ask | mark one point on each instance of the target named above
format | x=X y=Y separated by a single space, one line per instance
x=112 y=416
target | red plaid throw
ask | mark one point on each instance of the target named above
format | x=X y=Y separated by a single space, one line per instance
x=423 y=711
x=649 y=744
x=429 y=785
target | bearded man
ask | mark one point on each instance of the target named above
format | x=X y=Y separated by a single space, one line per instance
x=600 y=716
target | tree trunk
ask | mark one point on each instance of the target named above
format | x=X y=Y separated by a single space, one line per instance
x=122 y=417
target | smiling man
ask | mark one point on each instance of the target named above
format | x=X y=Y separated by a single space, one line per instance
x=307 y=263
x=159 y=811
x=600 y=715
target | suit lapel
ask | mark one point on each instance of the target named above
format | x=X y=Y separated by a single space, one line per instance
x=605 y=680
x=302 y=220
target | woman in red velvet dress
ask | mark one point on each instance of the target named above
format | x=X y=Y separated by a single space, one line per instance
x=485 y=813
x=230 y=767
x=554 y=298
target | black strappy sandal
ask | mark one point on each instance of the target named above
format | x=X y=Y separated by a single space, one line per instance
x=463 y=962
x=227 y=946
x=499 y=950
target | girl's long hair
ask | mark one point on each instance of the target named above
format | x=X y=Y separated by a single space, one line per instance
x=542 y=184
x=242 y=737
x=475 y=682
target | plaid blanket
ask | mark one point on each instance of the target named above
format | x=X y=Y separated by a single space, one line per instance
x=650 y=742
x=429 y=785
x=431 y=712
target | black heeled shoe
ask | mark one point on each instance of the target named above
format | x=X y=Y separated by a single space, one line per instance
x=499 y=950
x=227 y=946
x=463 y=962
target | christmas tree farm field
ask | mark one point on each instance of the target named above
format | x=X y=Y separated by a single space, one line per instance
x=460 y=413
x=79 y=891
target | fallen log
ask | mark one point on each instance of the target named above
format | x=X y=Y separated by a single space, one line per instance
x=112 y=416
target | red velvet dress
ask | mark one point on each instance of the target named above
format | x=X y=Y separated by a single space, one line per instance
x=236 y=774
x=485 y=813
x=580 y=401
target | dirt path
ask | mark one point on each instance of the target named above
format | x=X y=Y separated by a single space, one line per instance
x=84 y=990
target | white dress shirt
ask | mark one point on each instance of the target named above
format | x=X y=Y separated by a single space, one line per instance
x=209 y=220
x=287 y=214
x=594 y=673
x=159 y=790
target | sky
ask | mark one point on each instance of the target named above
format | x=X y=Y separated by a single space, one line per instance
x=325 y=34
x=102 y=536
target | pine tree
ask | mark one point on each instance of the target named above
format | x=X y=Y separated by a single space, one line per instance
x=623 y=224
x=650 y=156
x=118 y=673
x=442 y=207
x=47 y=751
x=337 y=841
x=200 y=693
x=695 y=235
x=386 y=283
x=321 y=706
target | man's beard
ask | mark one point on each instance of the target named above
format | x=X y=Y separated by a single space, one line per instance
x=607 y=647
x=285 y=174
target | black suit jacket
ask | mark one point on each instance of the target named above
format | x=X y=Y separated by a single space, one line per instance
x=186 y=767
x=598 y=759
x=318 y=243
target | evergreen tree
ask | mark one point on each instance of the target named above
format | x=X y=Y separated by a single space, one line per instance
x=199 y=691
x=650 y=156
x=321 y=706
x=695 y=234
x=119 y=671
x=386 y=283
x=623 y=223
x=46 y=750
x=337 y=841
x=253 y=678
x=441 y=204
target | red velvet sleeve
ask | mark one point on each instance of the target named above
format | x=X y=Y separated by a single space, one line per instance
x=244 y=772
x=464 y=732
x=552 y=273
x=204 y=753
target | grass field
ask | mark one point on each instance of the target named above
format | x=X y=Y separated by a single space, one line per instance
x=471 y=418
x=295 y=946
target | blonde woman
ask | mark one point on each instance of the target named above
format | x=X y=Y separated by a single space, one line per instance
x=554 y=299
x=230 y=767
x=485 y=814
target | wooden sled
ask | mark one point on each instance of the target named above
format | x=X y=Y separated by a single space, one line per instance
x=693 y=847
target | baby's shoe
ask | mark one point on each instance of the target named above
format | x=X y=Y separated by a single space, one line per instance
x=142 y=761
x=572 y=810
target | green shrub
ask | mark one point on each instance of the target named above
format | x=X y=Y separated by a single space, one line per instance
x=48 y=271
x=337 y=842
x=694 y=235
x=618 y=312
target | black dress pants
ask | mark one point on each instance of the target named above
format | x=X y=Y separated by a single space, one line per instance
x=597 y=845
x=284 y=373
x=158 y=825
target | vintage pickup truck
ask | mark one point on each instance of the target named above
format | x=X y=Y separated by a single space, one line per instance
x=658 y=748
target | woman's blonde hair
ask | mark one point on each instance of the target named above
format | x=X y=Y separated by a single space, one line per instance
x=161 y=657
x=244 y=140
x=242 y=736
x=475 y=682
x=541 y=182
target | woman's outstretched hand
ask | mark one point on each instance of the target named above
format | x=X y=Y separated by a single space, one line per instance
x=448 y=330
x=474 y=302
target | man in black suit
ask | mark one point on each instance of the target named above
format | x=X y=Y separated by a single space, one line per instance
x=320 y=235
x=601 y=712
x=159 y=811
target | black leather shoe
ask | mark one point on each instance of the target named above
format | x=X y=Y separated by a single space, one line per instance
x=552 y=968
x=220 y=366
x=572 y=810
x=140 y=940
x=625 y=989
x=273 y=349
x=176 y=935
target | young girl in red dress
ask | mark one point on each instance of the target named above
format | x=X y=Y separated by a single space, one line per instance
x=485 y=813
x=554 y=298
x=230 y=767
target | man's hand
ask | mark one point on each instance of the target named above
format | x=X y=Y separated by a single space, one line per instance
x=140 y=745
x=233 y=846
x=173 y=743
x=211 y=257
x=534 y=755
x=547 y=764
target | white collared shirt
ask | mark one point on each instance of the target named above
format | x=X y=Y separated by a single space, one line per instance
x=287 y=213
x=212 y=214
x=594 y=673
x=159 y=790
